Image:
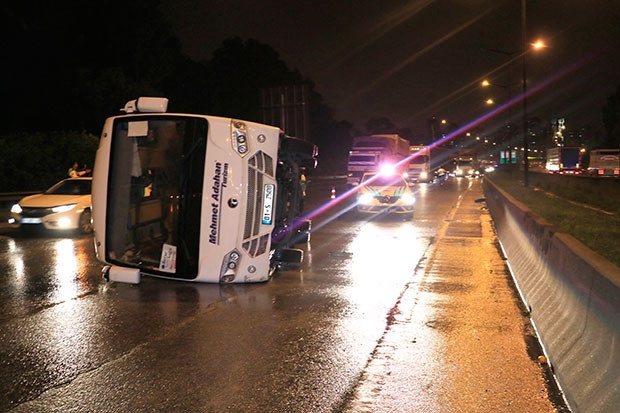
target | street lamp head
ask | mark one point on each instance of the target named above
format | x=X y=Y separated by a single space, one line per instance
x=487 y=83
x=538 y=44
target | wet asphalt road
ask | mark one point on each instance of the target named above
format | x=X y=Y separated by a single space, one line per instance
x=385 y=315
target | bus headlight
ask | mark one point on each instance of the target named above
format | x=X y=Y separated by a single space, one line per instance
x=239 y=137
x=16 y=209
x=229 y=266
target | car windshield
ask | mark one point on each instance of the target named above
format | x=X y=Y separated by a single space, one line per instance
x=71 y=187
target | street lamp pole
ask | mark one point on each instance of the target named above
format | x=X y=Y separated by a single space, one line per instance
x=526 y=165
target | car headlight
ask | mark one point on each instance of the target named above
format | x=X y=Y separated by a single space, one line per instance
x=64 y=223
x=365 y=198
x=63 y=208
x=16 y=209
x=408 y=199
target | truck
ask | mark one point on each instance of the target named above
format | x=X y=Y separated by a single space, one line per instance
x=197 y=197
x=372 y=152
x=419 y=164
x=564 y=160
x=604 y=162
x=466 y=166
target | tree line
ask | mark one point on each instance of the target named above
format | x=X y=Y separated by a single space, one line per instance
x=69 y=65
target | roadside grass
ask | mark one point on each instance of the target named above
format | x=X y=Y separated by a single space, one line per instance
x=591 y=224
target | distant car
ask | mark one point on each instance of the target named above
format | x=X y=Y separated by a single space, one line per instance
x=466 y=169
x=486 y=167
x=65 y=206
x=385 y=193
x=441 y=173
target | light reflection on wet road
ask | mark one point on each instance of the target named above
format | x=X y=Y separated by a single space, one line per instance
x=41 y=271
x=299 y=343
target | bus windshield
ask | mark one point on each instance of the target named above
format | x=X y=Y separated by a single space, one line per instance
x=155 y=191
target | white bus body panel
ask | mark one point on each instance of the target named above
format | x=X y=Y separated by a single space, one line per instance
x=230 y=222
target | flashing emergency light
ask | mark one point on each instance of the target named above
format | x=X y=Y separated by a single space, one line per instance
x=387 y=169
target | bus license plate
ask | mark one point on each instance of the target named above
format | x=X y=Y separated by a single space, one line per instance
x=268 y=204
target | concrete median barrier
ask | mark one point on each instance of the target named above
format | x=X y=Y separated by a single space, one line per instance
x=574 y=298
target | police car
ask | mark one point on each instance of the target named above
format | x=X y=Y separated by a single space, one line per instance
x=385 y=192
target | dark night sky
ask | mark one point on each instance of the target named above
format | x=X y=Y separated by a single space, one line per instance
x=410 y=60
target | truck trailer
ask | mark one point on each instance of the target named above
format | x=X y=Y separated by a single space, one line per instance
x=604 y=162
x=373 y=152
x=564 y=160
